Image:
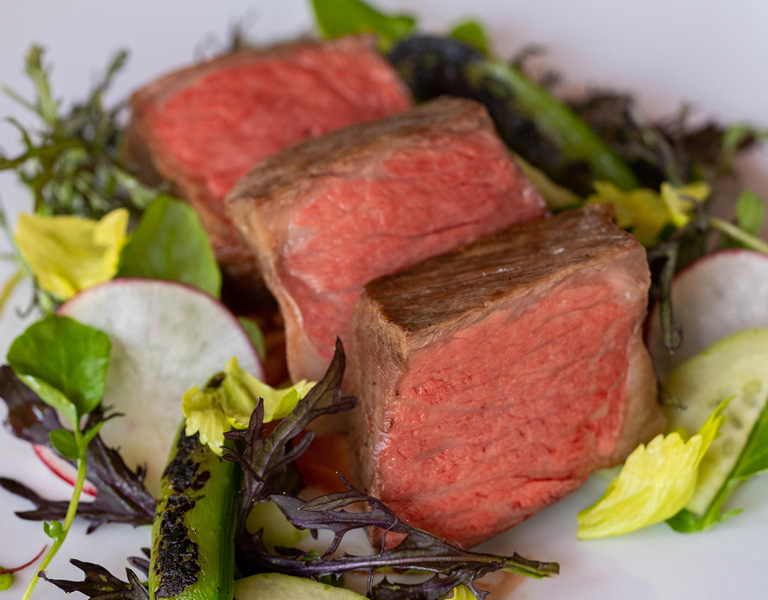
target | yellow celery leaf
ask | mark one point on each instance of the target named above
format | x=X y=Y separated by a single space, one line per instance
x=461 y=592
x=213 y=411
x=680 y=201
x=244 y=390
x=655 y=483
x=645 y=212
x=67 y=254
x=202 y=409
x=640 y=211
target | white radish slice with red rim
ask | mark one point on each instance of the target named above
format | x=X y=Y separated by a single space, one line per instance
x=718 y=295
x=166 y=337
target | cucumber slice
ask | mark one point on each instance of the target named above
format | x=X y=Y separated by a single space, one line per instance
x=735 y=367
x=276 y=586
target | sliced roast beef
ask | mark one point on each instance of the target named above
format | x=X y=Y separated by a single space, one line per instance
x=205 y=126
x=326 y=216
x=494 y=379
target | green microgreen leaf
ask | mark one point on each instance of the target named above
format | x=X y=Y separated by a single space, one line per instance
x=52 y=397
x=170 y=243
x=750 y=212
x=337 y=18
x=64 y=443
x=54 y=530
x=473 y=34
x=92 y=433
x=60 y=353
x=6 y=581
x=257 y=336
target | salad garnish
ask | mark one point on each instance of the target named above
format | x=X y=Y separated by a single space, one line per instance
x=65 y=363
x=660 y=176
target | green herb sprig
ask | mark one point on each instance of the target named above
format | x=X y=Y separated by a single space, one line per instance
x=72 y=163
x=65 y=363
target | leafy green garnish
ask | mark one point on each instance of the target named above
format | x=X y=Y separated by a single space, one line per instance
x=6 y=580
x=65 y=363
x=473 y=34
x=655 y=483
x=752 y=460
x=72 y=164
x=646 y=213
x=229 y=400
x=255 y=334
x=66 y=254
x=64 y=359
x=337 y=18
x=750 y=212
x=170 y=243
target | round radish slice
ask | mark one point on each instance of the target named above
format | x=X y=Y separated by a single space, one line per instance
x=718 y=295
x=166 y=337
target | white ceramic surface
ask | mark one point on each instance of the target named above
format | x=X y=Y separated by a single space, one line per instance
x=697 y=51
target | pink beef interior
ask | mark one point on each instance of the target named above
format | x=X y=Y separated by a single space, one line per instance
x=227 y=120
x=422 y=199
x=540 y=395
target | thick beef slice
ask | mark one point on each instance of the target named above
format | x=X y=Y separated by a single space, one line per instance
x=205 y=126
x=326 y=216
x=495 y=378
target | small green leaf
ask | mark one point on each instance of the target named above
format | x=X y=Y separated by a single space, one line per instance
x=52 y=397
x=473 y=34
x=54 y=530
x=254 y=332
x=91 y=433
x=170 y=243
x=750 y=211
x=64 y=443
x=6 y=581
x=337 y=18
x=60 y=353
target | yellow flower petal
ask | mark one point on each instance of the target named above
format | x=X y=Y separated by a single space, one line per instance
x=655 y=483
x=67 y=254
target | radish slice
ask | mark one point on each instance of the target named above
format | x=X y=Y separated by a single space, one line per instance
x=166 y=337
x=718 y=295
x=62 y=468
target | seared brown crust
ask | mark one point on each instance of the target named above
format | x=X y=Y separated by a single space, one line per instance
x=275 y=179
x=503 y=266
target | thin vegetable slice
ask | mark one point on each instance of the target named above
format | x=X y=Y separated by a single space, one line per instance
x=718 y=295
x=166 y=338
x=733 y=368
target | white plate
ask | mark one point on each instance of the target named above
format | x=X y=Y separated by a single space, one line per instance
x=665 y=53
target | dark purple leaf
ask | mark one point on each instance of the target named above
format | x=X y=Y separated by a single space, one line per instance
x=262 y=460
x=121 y=498
x=100 y=584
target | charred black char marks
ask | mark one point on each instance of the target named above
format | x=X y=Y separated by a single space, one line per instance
x=177 y=565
